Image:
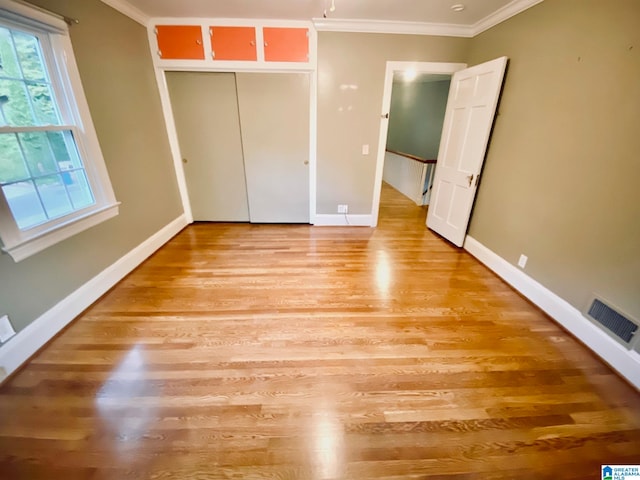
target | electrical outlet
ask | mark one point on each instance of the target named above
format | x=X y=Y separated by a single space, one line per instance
x=343 y=208
x=522 y=262
x=6 y=329
x=365 y=149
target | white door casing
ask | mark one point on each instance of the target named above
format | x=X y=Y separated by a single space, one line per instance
x=471 y=106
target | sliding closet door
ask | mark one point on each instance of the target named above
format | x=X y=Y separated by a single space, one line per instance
x=274 y=119
x=205 y=109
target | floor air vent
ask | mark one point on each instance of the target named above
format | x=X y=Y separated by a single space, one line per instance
x=615 y=323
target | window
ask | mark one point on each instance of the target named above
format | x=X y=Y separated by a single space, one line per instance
x=53 y=181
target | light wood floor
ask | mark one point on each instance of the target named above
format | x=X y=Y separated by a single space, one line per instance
x=296 y=352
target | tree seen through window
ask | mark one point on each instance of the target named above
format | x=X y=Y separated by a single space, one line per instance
x=41 y=173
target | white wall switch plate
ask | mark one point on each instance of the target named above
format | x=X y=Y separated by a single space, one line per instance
x=522 y=262
x=365 y=149
x=6 y=329
x=343 y=208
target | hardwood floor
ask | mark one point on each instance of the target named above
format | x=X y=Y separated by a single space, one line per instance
x=297 y=352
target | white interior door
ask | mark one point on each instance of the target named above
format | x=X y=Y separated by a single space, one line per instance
x=468 y=119
x=274 y=119
x=205 y=111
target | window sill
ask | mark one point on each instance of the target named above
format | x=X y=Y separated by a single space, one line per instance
x=60 y=232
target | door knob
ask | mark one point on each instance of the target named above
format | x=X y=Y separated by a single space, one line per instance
x=184 y=160
x=470 y=178
x=306 y=162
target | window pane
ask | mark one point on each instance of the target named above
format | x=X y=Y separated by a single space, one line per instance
x=24 y=204
x=64 y=149
x=8 y=60
x=12 y=167
x=14 y=104
x=55 y=168
x=38 y=153
x=78 y=188
x=54 y=196
x=49 y=152
x=28 y=49
x=65 y=140
x=43 y=106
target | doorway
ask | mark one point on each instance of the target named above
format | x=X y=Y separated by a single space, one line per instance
x=416 y=118
x=419 y=175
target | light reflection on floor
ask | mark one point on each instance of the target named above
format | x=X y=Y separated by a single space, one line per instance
x=119 y=402
x=383 y=273
x=328 y=446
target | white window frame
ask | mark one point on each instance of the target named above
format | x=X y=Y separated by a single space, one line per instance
x=74 y=111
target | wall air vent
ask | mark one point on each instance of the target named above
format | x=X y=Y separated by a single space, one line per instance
x=620 y=326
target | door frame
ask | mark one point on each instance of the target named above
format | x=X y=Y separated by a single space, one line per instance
x=392 y=68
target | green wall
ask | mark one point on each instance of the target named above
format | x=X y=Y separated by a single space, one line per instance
x=416 y=117
x=560 y=183
x=115 y=66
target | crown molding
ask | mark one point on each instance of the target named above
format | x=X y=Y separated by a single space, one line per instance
x=383 y=26
x=423 y=28
x=377 y=26
x=129 y=10
x=509 y=10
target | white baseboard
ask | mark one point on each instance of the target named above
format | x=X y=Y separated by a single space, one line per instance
x=335 y=220
x=30 y=339
x=625 y=362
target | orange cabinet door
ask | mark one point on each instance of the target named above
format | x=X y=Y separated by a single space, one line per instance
x=286 y=44
x=180 y=42
x=233 y=43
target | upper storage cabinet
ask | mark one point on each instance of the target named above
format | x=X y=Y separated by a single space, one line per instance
x=233 y=43
x=211 y=44
x=286 y=44
x=179 y=42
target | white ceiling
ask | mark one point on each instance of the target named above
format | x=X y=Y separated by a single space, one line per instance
x=353 y=15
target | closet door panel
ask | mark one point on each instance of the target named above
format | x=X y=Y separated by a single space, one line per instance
x=274 y=118
x=205 y=110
